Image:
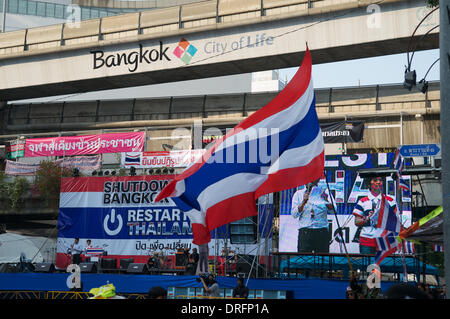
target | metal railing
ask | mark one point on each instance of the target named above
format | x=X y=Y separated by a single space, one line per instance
x=188 y=16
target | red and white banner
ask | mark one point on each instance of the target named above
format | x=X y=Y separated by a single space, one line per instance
x=161 y=159
x=85 y=144
x=80 y=162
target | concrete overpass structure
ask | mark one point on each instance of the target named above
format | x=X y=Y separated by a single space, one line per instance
x=205 y=39
x=392 y=116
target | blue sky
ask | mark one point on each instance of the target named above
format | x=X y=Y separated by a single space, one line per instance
x=371 y=71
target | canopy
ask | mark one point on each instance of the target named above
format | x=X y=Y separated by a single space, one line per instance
x=13 y=245
x=428 y=229
x=392 y=264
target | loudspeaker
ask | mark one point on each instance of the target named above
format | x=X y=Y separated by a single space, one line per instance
x=137 y=268
x=44 y=267
x=180 y=260
x=124 y=263
x=109 y=263
x=88 y=267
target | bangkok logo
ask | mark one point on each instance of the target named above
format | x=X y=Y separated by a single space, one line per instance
x=185 y=51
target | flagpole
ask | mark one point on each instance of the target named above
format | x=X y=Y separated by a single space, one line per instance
x=339 y=226
x=400 y=209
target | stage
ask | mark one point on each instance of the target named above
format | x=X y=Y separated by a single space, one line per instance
x=141 y=284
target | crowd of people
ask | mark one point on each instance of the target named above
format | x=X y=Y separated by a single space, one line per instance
x=403 y=290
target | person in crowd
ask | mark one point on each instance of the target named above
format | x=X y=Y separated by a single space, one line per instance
x=186 y=255
x=191 y=266
x=350 y=294
x=157 y=292
x=153 y=261
x=240 y=291
x=405 y=291
x=203 y=258
x=76 y=250
x=85 y=251
x=211 y=287
x=195 y=256
x=310 y=206
x=366 y=214
x=88 y=245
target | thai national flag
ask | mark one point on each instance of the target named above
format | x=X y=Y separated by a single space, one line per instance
x=386 y=245
x=438 y=248
x=409 y=247
x=403 y=184
x=94 y=251
x=132 y=159
x=388 y=218
x=276 y=148
x=398 y=162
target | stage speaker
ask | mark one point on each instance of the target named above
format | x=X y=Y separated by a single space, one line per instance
x=109 y=263
x=44 y=267
x=124 y=263
x=134 y=268
x=88 y=267
x=180 y=260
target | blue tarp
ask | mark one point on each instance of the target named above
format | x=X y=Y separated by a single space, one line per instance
x=301 y=289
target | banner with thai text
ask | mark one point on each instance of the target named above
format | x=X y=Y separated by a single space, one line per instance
x=81 y=162
x=173 y=159
x=120 y=218
x=85 y=144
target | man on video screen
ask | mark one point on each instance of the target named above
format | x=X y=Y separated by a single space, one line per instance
x=310 y=206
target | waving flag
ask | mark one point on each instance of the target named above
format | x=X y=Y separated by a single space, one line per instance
x=388 y=218
x=386 y=245
x=403 y=184
x=398 y=162
x=409 y=247
x=276 y=148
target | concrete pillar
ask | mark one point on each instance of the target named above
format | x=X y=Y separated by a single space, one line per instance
x=444 y=41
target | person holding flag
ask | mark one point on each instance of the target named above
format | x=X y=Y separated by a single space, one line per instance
x=377 y=214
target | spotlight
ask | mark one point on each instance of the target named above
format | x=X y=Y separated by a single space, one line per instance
x=100 y=173
x=106 y=173
x=165 y=170
x=171 y=170
x=423 y=86
x=410 y=79
x=113 y=173
x=94 y=173
x=151 y=171
x=76 y=172
x=158 y=172
x=132 y=171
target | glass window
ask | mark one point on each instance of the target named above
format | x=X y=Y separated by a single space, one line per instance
x=85 y=14
x=50 y=12
x=59 y=11
x=94 y=14
x=32 y=7
x=23 y=5
x=103 y=14
x=1 y=5
x=13 y=6
x=40 y=9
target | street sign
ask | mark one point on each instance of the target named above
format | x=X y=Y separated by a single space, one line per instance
x=420 y=150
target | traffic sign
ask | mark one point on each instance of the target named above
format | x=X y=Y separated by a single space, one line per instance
x=420 y=150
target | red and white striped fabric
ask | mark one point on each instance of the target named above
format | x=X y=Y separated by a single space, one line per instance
x=222 y=187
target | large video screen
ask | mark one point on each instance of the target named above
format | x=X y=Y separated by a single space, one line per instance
x=315 y=228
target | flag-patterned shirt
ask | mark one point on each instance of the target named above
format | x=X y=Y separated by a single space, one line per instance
x=370 y=206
